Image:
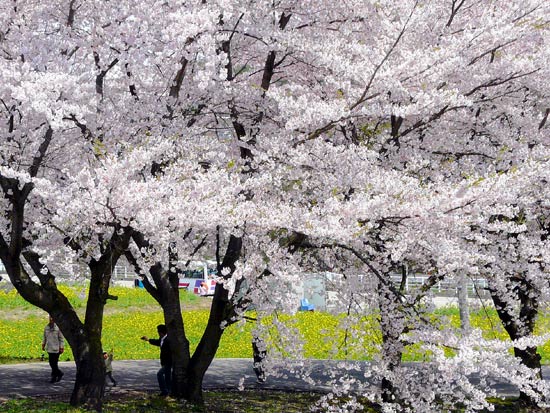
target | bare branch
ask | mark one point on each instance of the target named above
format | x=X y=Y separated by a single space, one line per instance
x=132 y=86
x=500 y=81
x=175 y=88
x=268 y=70
x=386 y=57
x=150 y=288
x=544 y=119
x=40 y=270
x=86 y=132
x=455 y=7
x=491 y=51
x=283 y=20
x=72 y=11
x=99 y=80
x=178 y=80
x=42 y=149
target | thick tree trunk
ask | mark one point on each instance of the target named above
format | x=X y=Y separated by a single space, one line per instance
x=85 y=341
x=529 y=357
x=84 y=338
x=90 y=371
x=178 y=341
x=522 y=326
x=89 y=385
x=188 y=372
x=392 y=327
x=221 y=312
x=206 y=350
x=90 y=368
x=165 y=290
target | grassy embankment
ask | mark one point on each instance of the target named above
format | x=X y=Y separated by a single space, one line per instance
x=135 y=314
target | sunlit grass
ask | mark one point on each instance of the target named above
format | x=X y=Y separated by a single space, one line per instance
x=77 y=295
x=135 y=313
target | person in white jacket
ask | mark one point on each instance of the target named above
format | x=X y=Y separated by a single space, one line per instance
x=54 y=343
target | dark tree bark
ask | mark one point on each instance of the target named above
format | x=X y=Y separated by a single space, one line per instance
x=521 y=325
x=189 y=371
x=17 y=255
x=392 y=324
x=84 y=338
x=222 y=310
x=90 y=368
x=165 y=290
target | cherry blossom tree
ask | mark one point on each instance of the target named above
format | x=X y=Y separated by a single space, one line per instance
x=72 y=151
x=34 y=234
x=486 y=113
x=510 y=236
x=347 y=124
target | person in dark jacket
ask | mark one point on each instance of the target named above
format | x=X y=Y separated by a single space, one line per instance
x=164 y=375
x=259 y=353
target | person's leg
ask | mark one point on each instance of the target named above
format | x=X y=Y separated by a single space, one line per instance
x=53 y=359
x=161 y=377
x=58 y=372
x=110 y=375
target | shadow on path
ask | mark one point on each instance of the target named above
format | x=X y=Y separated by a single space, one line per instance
x=32 y=379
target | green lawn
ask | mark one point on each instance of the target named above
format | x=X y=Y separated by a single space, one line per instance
x=218 y=401
x=257 y=401
x=135 y=314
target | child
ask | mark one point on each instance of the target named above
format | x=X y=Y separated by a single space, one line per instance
x=108 y=357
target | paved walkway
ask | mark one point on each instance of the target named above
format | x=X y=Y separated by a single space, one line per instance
x=32 y=379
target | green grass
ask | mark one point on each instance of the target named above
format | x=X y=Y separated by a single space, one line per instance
x=257 y=401
x=10 y=299
x=218 y=401
x=135 y=314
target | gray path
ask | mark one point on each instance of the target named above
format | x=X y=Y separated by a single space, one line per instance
x=20 y=380
x=32 y=379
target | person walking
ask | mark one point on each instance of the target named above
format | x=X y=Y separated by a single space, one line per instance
x=164 y=375
x=108 y=357
x=54 y=344
x=259 y=353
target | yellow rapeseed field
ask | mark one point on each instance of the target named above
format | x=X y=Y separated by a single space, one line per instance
x=135 y=314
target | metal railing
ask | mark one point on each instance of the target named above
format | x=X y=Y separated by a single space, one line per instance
x=474 y=286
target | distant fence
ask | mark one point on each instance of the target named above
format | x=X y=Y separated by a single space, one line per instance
x=447 y=288
x=476 y=287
